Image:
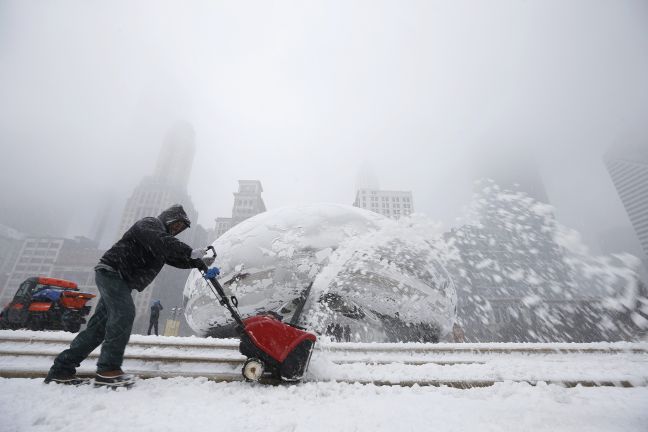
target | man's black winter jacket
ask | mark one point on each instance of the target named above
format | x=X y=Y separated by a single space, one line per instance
x=144 y=249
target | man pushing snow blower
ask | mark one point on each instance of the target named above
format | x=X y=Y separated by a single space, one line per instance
x=131 y=263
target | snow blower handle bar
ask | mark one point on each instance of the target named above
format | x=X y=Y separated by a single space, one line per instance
x=224 y=300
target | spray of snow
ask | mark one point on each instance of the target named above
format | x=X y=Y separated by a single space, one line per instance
x=522 y=276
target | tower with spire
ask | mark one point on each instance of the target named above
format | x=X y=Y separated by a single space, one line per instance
x=167 y=186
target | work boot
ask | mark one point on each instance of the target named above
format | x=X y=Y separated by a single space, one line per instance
x=116 y=378
x=65 y=379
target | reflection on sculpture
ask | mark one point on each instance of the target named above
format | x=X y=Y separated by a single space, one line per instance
x=335 y=269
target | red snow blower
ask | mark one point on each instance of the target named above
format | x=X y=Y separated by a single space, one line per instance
x=273 y=348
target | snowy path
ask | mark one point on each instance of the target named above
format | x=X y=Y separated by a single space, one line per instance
x=196 y=405
x=327 y=402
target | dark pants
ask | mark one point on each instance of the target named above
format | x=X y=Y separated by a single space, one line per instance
x=153 y=323
x=111 y=324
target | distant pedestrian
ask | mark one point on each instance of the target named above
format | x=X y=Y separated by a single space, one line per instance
x=458 y=333
x=130 y=264
x=156 y=307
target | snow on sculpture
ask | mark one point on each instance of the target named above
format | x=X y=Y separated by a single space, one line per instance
x=338 y=270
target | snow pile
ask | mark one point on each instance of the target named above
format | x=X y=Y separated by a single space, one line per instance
x=471 y=368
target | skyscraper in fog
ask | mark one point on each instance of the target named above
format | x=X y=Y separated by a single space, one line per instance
x=177 y=155
x=152 y=196
x=169 y=183
x=167 y=186
x=628 y=167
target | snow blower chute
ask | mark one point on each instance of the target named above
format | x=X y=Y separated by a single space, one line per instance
x=272 y=347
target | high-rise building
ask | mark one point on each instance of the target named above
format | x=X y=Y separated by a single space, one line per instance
x=247 y=203
x=150 y=198
x=169 y=183
x=392 y=204
x=628 y=168
x=156 y=193
x=177 y=155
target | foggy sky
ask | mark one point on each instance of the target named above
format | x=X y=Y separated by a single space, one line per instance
x=301 y=95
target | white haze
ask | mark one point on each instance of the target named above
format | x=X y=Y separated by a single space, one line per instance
x=301 y=94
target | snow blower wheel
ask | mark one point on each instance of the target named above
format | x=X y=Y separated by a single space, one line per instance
x=253 y=369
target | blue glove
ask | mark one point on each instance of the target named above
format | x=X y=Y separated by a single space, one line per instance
x=212 y=273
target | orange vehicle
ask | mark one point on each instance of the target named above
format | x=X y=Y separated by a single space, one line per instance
x=43 y=303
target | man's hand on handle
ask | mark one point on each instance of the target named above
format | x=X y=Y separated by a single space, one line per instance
x=201 y=253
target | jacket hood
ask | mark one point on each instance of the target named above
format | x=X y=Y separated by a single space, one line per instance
x=172 y=214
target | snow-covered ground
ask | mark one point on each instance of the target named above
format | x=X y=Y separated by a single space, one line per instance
x=394 y=363
x=185 y=404
x=326 y=404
